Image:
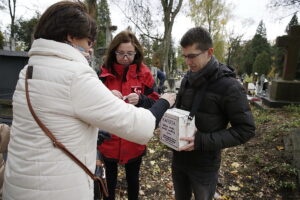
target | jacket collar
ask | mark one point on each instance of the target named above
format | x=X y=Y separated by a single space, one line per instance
x=198 y=78
x=52 y=48
x=211 y=72
x=118 y=68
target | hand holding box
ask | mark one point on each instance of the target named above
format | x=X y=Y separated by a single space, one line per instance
x=175 y=125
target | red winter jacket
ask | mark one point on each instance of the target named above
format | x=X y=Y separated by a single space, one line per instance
x=141 y=82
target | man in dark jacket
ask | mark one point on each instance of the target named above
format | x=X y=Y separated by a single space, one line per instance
x=211 y=89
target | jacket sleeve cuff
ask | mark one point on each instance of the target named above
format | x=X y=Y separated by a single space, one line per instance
x=159 y=108
x=141 y=100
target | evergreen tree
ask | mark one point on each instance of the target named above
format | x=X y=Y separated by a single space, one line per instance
x=248 y=58
x=278 y=54
x=262 y=63
x=260 y=48
x=24 y=30
x=235 y=52
x=261 y=30
x=254 y=47
x=293 y=22
x=103 y=22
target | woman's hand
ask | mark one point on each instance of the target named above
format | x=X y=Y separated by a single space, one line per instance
x=117 y=94
x=133 y=98
x=170 y=97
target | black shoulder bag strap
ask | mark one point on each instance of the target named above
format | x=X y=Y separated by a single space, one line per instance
x=198 y=100
x=56 y=143
x=180 y=92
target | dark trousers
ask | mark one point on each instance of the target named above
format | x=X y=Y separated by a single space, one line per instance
x=132 y=170
x=188 y=181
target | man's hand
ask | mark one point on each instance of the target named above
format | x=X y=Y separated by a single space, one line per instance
x=190 y=146
x=117 y=94
x=133 y=98
x=170 y=97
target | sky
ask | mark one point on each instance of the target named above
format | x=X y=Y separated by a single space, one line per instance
x=246 y=16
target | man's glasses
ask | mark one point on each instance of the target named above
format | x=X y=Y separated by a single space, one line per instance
x=128 y=54
x=193 y=55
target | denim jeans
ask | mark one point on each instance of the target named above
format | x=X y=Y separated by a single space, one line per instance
x=187 y=181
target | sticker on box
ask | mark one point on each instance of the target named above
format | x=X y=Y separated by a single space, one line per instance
x=174 y=125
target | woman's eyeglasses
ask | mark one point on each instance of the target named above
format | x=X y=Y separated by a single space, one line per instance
x=128 y=54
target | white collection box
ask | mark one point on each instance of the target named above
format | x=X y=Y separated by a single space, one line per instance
x=174 y=125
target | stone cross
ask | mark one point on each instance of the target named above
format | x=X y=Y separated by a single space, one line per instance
x=108 y=33
x=291 y=43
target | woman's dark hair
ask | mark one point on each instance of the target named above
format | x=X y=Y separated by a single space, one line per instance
x=198 y=36
x=123 y=37
x=66 y=18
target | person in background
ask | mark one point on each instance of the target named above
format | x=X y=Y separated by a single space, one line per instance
x=4 y=139
x=162 y=78
x=129 y=79
x=221 y=100
x=68 y=97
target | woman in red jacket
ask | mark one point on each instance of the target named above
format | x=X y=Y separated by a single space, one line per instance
x=129 y=79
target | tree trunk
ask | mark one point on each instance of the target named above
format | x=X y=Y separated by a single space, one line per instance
x=12 y=12
x=169 y=16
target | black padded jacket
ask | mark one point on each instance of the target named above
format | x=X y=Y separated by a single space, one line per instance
x=223 y=119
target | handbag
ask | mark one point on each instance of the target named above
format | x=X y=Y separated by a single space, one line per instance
x=99 y=172
x=99 y=180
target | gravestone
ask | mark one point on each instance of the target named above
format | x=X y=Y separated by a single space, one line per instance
x=292 y=149
x=286 y=91
x=259 y=85
x=11 y=62
x=108 y=33
x=262 y=86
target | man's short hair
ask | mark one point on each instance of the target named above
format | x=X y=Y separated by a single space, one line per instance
x=199 y=36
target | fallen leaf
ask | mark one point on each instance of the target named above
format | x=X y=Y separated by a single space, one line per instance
x=279 y=148
x=235 y=172
x=152 y=162
x=169 y=185
x=234 y=188
x=151 y=150
x=141 y=192
x=235 y=164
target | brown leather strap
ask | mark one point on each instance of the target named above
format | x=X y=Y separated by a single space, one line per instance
x=54 y=140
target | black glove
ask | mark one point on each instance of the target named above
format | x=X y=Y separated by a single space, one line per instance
x=103 y=135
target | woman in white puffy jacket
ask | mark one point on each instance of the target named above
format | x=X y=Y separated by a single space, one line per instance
x=69 y=99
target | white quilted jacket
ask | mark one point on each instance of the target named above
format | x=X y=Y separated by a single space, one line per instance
x=70 y=100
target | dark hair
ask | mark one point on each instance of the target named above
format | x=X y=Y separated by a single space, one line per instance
x=123 y=37
x=198 y=36
x=66 y=18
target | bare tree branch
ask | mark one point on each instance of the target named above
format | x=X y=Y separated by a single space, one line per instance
x=284 y=4
x=136 y=20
